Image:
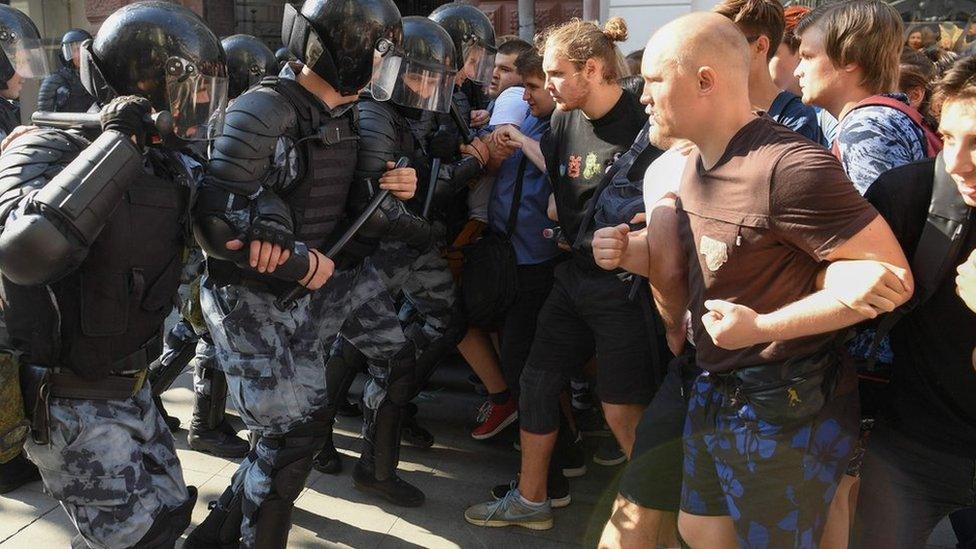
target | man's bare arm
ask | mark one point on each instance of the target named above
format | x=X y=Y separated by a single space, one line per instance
x=735 y=326
x=668 y=270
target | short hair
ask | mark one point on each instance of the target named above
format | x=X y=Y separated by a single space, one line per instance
x=792 y=15
x=867 y=33
x=756 y=18
x=917 y=71
x=514 y=47
x=580 y=41
x=959 y=83
x=529 y=63
x=505 y=38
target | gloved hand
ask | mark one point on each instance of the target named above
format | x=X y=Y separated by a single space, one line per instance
x=127 y=115
x=444 y=144
x=272 y=227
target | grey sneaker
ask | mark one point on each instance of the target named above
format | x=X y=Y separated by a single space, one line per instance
x=510 y=511
x=609 y=453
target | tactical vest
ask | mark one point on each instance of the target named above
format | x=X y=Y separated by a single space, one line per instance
x=119 y=297
x=327 y=148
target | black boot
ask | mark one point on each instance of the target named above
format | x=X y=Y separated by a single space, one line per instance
x=168 y=526
x=16 y=473
x=221 y=529
x=328 y=460
x=376 y=470
x=210 y=432
x=412 y=432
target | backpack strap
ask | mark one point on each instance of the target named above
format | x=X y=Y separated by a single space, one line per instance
x=946 y=227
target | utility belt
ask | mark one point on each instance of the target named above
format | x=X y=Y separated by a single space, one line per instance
x=788 y=392
x=39 y=384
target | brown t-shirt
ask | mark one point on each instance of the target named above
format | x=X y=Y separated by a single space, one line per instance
x=756 y=228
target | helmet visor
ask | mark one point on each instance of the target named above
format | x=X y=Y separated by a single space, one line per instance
x=70 y=50
x=479 y=63
x=422 y=86
x=25 y=54
x=197 y=102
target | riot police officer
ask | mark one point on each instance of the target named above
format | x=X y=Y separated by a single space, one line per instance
x=91 y=256
x=248 y=61
x=62 y=91
x=390 y=129
x=18 y=34
x=276 y=191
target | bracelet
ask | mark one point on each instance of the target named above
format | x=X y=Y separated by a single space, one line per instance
x=315 y=270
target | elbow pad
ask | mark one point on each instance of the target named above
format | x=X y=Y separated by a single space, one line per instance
x=463 y=171
x=65 y=216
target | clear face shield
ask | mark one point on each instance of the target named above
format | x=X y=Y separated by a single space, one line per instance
x=196 y=100
x=479 y=62
x=413 y=84
x=25 y=54
x=71 y=52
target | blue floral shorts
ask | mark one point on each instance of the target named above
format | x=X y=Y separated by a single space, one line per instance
x=775 y=481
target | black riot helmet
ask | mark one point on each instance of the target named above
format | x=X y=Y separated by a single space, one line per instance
x=340 y=40
x=165 y=53
x=474 y=39
x=22 y=53
x=248 y=61
x=71 y=44
x=283 y=56
x=420 y=72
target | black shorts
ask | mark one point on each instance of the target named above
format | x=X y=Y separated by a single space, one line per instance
x=652 y=479
x=589 y=312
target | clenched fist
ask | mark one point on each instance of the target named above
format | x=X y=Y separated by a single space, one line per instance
x=609 y=246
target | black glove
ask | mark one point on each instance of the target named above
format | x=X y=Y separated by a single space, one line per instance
x=271 y=221
x=444 y=144
x=127 y=115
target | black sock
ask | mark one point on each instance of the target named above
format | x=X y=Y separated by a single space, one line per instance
x=501 y=398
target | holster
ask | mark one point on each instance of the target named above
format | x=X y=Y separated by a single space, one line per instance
x=35 y=386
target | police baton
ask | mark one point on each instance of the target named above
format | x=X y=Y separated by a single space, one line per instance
x=288 y=300
x=91 y=122
x=461 y=123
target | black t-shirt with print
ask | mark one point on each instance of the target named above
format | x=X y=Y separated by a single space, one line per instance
x=578 y=152
x=932 y=394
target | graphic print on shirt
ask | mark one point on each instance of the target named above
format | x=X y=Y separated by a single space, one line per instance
x=716 y=253
x=592 y=166
x=574 y=166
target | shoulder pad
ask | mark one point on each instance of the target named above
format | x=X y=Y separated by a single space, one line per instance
x=242 y=155
x=35 y=158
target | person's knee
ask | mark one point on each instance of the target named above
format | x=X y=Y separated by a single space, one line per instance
x=622 y=416
x=631 y=525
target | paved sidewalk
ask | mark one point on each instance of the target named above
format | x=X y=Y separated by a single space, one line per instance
x=455 y=473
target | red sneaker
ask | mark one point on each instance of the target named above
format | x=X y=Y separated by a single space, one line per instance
x=494 y=418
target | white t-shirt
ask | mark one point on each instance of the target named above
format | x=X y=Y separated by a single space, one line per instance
x=509 y=107
x=663 y=176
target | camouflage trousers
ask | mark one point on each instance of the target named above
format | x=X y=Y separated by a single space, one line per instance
x=428 y=288
x=274 y=361
x=112 y=466
x=180 y=337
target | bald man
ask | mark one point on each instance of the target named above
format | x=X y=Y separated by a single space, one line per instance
x=760 y=210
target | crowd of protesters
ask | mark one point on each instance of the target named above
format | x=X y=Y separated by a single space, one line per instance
x=741 y=258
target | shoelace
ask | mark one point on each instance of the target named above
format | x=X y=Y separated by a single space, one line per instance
x=484 y=411
x=510 y=497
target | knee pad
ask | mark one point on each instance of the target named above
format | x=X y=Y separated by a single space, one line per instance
x=293 y=451
x=539 y=400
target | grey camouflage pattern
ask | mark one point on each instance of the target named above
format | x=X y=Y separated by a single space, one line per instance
x=112 y=466
x=274 y=363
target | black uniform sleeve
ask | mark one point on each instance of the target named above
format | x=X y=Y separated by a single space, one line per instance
x=47 y=96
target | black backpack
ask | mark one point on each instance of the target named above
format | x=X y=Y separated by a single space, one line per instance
x=936 y=256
